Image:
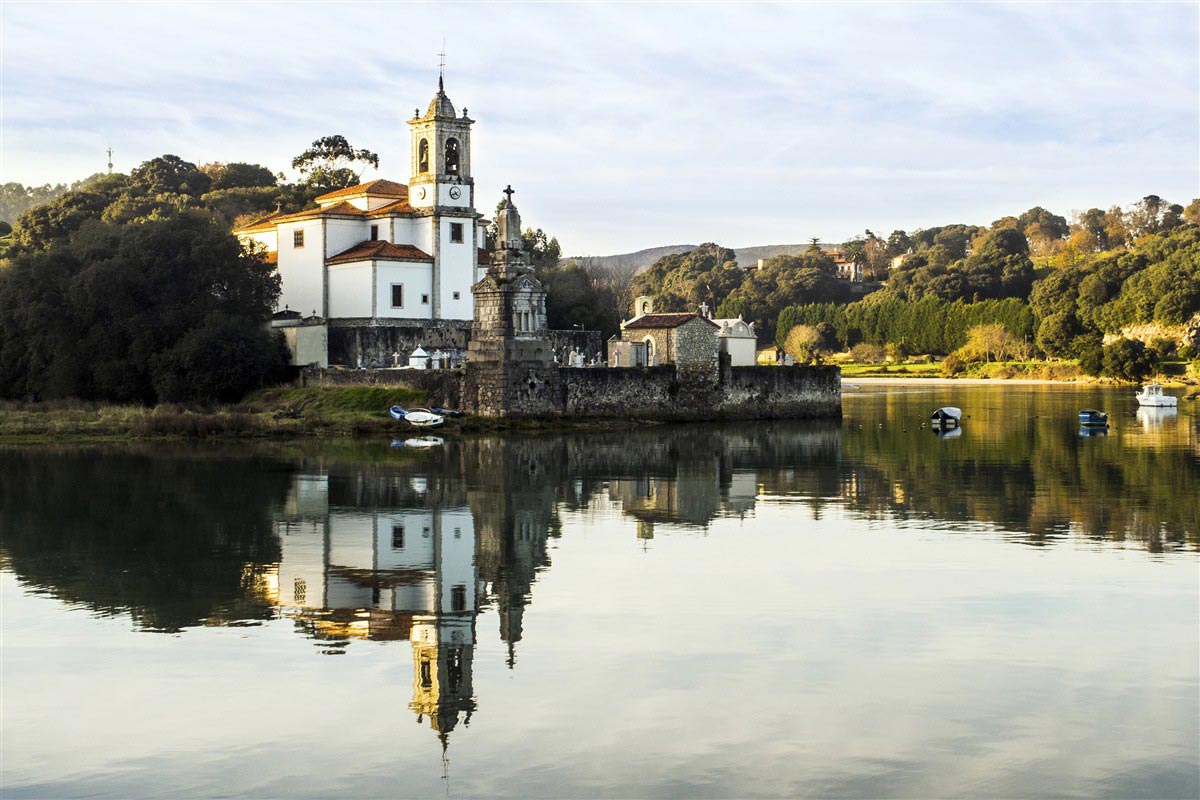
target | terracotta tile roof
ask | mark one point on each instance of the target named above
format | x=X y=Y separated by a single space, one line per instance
x=269 y=222
x=379 y=251
x=379 y=188
x=664 y=321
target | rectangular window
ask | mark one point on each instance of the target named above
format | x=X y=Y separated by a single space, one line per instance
x=458 y=598
x=397 y=537
x=426 y=675
x=374 y=233
x=397 y=295
x=424 y=299
x=456 y=232
x=298 y=238
x=457 y=295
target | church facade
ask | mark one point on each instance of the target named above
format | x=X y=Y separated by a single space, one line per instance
x=384 y=251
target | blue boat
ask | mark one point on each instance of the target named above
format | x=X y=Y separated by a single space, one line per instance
x=1091 y=418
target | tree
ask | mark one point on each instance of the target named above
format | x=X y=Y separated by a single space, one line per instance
x=1191 y=214
x=238 y=175
x=138 y=313
x=1128 y=359
x=803 y=343
x=169 y=174
x=332 y=163
x=988 y=342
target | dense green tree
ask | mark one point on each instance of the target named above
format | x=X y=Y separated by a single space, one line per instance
x=333 y=163
x=169 y=174
x=121 y=312
x=1128 y=360
x=238 y=175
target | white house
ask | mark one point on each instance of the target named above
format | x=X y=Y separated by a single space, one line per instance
x=384 y=250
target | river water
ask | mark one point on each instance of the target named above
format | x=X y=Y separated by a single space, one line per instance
x=757 y=609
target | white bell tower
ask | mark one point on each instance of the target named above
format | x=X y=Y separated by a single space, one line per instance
x=441 y=156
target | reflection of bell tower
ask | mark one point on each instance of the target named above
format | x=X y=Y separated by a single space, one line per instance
x=443 y=641
x=443 y=653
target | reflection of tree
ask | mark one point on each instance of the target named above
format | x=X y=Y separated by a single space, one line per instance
x=175 y=537
x=1039 y=481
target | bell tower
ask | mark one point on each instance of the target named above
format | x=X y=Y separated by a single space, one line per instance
x=441 y=156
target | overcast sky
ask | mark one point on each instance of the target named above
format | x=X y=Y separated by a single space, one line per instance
x=625 y=126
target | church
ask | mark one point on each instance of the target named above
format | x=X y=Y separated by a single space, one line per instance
x=384 y=251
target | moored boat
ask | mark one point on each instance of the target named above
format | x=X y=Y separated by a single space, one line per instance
x=1152 y=395
x=946 y=417
x=1091 y=418
x=419 y=418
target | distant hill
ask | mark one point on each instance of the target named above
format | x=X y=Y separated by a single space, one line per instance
x=638 y=261
x=642 y=259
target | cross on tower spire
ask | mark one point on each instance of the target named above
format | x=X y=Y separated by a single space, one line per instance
x=442 y=64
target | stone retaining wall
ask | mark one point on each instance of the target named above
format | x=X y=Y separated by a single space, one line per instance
x=636 y=393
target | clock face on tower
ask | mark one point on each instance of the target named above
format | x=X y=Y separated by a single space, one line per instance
x=455 y=192
x=420 y=192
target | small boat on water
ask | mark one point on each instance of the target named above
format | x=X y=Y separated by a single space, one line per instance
x=946 y=417
x=418 y=417
x=1086 y=432
x=947 y=433
x=1091 y=418
x=445 y=412
x=1152 y=395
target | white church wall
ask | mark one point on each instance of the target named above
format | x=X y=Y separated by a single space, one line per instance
x=267 y=239
x=342 y=234
x=405 y=230
x=457 y=265
x=417 y=279
x=457 y=564
x=415 y=537
x=352 y=540
x=301 y=269
x=350 y=289
x=301 y=563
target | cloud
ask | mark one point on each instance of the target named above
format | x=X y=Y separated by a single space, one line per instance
x=630 y=125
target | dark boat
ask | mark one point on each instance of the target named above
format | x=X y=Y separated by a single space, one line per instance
x=1091 y=418
x=447 y=412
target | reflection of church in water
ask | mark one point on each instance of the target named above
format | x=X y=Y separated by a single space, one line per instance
x=402 y=557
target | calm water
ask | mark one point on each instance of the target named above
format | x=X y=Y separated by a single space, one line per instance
x=762 y=609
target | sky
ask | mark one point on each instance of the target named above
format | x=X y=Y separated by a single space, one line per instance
x=631 y=125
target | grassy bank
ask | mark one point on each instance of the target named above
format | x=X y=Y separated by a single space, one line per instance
x=280 y=413
x=1175 y=372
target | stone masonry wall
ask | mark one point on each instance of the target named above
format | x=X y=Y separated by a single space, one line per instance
x=355 y=342
x=695 y=347
x=634 y=393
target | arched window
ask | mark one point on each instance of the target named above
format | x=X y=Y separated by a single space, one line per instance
x=423 y=156
x=650 y=352
x=452 y=156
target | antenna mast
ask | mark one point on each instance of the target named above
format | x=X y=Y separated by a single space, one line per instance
x=110 y=161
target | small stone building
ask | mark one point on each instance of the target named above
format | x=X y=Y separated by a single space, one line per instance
x=687 y=340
